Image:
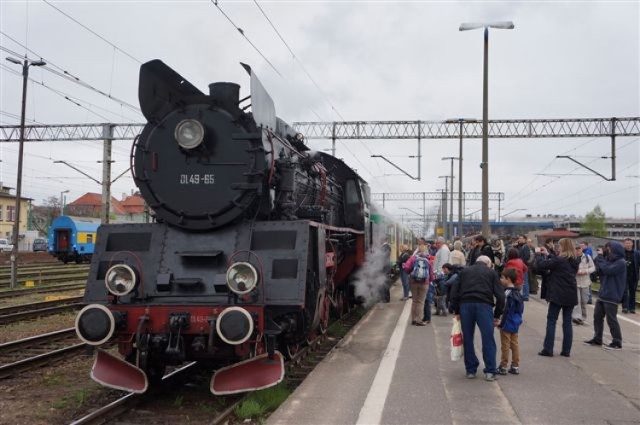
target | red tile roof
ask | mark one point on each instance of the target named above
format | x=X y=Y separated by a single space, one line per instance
x=559 y=234
x=90 y=199
x=133 y=204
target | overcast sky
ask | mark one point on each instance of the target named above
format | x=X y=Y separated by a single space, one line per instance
x=373 y=61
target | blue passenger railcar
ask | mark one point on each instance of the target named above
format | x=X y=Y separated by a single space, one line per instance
x=72 y=238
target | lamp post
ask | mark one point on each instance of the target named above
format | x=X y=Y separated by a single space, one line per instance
x=62 y=201
x=635 y=225
x=451 y=158
x=485 y=114
x=445 y=223
x=26 y=63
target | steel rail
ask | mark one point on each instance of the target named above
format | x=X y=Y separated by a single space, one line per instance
x=22 y=346
x=52 y=279
x=14 y=317
x=127 y=402
x=43 y=289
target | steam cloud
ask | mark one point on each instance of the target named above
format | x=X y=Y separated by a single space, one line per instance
x=370 y=279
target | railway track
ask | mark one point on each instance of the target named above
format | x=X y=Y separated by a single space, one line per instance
x=298 y=367
x=51 y=276
x=36 y=268
x=79 y=284
x=28 y=353
x=122 y=405
x=38 y=309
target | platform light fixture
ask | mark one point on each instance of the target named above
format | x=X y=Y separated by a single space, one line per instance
x=505 y=25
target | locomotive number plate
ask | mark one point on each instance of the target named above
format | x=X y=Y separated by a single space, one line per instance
x=197 y=179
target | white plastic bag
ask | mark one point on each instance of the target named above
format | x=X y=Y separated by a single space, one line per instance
x=456 y=340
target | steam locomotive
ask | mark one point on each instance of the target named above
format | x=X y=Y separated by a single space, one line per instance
x=255 y=240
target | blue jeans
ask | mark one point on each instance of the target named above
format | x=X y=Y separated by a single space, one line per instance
x=427 y=303
x=482 y=315
x=525 y=287
x=567 y=330
x=404 y=278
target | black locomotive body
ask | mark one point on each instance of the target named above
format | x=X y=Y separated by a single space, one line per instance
x=255 y=241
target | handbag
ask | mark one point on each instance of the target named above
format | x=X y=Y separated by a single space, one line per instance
x=456 y=340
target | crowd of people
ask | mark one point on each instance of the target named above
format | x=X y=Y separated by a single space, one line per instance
x=487 y=285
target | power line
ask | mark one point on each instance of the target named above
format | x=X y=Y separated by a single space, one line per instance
x=241 y=31
x=94 y=33
x=66 y=74
x=322 y=93
x=64 y=95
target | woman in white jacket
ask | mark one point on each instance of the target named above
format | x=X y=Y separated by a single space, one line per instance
x=583 y=280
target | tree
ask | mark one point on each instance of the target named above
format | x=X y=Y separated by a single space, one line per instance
x=594 y=222
x=43 y=215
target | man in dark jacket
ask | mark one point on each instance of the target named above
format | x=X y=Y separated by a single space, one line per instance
x=612 y=270
x=632 y=260
x=481 y=247
x=472 y=300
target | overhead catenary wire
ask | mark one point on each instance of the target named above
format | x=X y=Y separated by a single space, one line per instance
x=241 y=31
x=66 y=74
x=94 y=33
x=76 y=101
x=322 y=93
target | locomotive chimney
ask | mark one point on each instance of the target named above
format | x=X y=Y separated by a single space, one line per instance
x=227 y=95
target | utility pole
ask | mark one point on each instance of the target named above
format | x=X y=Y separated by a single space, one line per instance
x=460 y=207
x=450 y=231
x=107 y=133
x=16 y=219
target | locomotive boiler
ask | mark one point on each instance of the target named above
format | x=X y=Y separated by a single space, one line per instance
x=254 y=241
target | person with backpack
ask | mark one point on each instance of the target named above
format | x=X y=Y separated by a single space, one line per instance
x=583 y=279
x=420 y=276
x=404 y=256
x=510 y=323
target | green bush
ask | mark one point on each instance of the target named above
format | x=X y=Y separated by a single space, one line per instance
x=261 y=402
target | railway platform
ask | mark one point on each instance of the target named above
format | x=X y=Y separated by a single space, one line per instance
x=389 y=372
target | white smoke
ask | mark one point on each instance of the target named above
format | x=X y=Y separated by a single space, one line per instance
x=370 y=279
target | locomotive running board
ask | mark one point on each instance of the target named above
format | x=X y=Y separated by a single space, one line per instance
x=249 y=375
x=118 y=374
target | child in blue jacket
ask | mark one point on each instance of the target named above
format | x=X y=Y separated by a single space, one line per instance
x=510 y=323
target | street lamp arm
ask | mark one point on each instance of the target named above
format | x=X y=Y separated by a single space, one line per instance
x=120 y=175
x=77 y=169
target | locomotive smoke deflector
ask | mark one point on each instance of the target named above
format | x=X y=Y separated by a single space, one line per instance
x=162 y=90
x=262 y=106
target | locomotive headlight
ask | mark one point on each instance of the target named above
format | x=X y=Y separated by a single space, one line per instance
x=242 y=278
x=189 y=133
x=120 y=279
